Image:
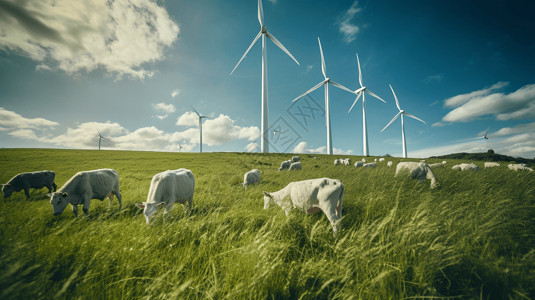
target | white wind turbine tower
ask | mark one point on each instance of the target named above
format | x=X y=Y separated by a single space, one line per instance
x=326 y=82
x=200 y=128
x=401 y=112
x=264 y=142
x=180 y=148
x=100 y=137
x=361 y=91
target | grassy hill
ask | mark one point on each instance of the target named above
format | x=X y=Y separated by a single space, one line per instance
x=474 y=237
x=487 y=156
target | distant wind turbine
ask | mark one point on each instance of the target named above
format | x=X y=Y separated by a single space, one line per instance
x=361 y=91
x=200 y=127
x=180 y=148
x=325 y=82
x=100 y=137
x=264 y=142
x=484 y=136
x=401 y=112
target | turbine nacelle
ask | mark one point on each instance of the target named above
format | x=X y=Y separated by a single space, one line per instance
x=263 y=29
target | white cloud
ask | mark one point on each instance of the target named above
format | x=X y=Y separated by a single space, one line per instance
x=188 y=119
x=252 y=147
x=10 y=120
x=513 y=141
x=164 y=108
x=303 y=148
x=118 y=36
x=463 y=98
x=345 y=26
x=514 y=106
x=175 y=93
x=222 y=130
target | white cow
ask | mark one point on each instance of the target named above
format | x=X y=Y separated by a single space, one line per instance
x=516 y=167
x=491 y=164
x=251 y=177
x=337 y=162
x=296 y=159
x=84 y=186
x=285 y=165
x=166 y=188
x=381 y=159
x=311 y=196
x=363 y=159
x=295 y=166
x=444 y=162
x=417 y=170
x=465 y=167
x=389 y=163
x=370 y=165
x=358 y=164
x=346 y=161
x=436 y=165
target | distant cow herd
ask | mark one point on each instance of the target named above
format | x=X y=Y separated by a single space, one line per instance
x=168 y=187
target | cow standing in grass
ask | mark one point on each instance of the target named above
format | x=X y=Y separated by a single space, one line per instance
x=311 y=196
x=34 y=180
x=417 y=170
x=84 y=186
x=166 y=188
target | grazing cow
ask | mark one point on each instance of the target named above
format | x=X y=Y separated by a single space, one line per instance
x=84 y=186
x=251 y=177
x=381 y=159
x=285 y=165
x=296 y=159
x=465 y=167
x=418 y=170
x=516 y=167
x=166 y=188
x=34 y=180
x=311 y=196
x=389 y=163
x=295 y=166
x=436 y=165
x=363 y=159
x=346 y=161
x=337 y=162
x=358 y=164
x=444 y=162
x=370 y=165
x=491 y=164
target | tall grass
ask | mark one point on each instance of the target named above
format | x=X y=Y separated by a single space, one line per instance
x=474 y=237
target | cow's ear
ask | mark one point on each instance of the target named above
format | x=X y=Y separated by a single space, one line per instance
x=64 y=195
x=160 y=204
x=267 y=194
x=140 y=205
x=49 y=195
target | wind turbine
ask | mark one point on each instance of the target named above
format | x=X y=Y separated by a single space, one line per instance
x=401 y=112
x=100 y=137
x=200 y=128
x=180 y=148
x=264 y=142
x=484 y=136
x=325 y=82
x=361 y=91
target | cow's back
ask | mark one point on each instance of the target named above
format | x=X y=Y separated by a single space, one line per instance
x=178 y=184
x=309 y=192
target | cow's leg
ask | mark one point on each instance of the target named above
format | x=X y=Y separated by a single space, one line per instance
x=49 y=187
x=187 y=206
x=169 y=206
x=119 y=197
x=75 y=210
x=55 y=186
x=85 y=208
x=27 y=192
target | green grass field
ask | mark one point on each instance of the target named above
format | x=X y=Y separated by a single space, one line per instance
x=474 y=237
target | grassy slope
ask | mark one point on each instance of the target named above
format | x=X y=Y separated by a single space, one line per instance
x=473 y=237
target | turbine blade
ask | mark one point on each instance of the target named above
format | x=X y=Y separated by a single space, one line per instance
x=279 y=44
x=487 y=131
x=250 y=46
x=341 y=87
x=395 y=98
x=391 y=121
x=414 y=117
x=374 y=95
x=358 y=96
x=360 y=72
x=260 y=13
x=323 y=69
x=310 y=90
x=195 y=111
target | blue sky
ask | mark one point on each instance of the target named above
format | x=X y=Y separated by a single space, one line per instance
x=131 y=69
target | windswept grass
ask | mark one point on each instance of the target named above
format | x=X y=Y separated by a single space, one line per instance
x=474 y=237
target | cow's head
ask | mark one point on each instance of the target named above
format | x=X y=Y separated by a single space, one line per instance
x=7 y=189
x=59 y=201
x=149 y=209
x=268 y=199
